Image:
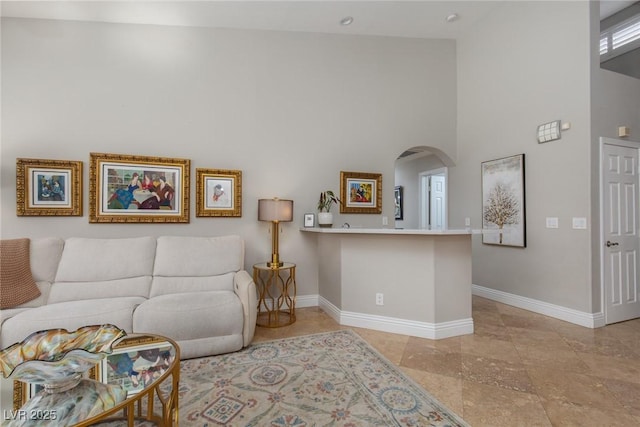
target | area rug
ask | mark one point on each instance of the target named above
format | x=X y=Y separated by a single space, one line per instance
x=331 y=378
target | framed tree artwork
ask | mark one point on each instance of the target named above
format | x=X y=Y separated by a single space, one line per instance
x=503 y=202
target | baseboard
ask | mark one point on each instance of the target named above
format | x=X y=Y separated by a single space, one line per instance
x=413 y=328
x=589 y=320
x=306 y=301
x=330 y=309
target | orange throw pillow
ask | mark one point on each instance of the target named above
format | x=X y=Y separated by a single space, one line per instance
x=16 y=282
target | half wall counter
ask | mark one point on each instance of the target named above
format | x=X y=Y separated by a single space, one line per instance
x=422 y=278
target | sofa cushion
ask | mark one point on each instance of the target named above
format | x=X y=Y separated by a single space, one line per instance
x=189 y=316
x=94 y=260
x=195 y=264
x=77 y=291
x=45 y=255
x=104 y=268
x=176 y=285
x=16 y=281
x=9 y=313
x=202 y=347
x=45 y=291
x=198 y=256
x=70 y=316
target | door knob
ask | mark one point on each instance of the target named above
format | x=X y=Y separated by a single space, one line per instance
x=609 y=244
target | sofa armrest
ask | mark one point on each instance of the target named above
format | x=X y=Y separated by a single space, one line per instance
x=246 y=291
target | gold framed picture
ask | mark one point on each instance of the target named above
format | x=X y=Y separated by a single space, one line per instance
x=361 y=192
x=135 y=362
x=126 y=188
x=48 y=187
x=218 y=192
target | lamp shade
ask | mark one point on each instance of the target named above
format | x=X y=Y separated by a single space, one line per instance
x=275 y=210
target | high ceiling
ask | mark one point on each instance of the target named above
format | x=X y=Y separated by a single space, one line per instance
x=423 y=19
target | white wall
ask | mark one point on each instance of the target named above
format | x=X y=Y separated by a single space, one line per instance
x=527 y=64
x=291 y=110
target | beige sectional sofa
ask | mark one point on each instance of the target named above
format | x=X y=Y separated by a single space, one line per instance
x=191 y=289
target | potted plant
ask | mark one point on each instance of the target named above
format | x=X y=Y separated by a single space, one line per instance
x=327 y=199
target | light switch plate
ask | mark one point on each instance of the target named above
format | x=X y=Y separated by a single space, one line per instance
x=552 y=222
x=579 y=223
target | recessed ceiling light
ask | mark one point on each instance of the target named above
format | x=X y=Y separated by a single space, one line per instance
x=347 y=20
x=453 y=17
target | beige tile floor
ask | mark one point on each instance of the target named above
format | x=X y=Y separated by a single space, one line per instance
x=518 y=369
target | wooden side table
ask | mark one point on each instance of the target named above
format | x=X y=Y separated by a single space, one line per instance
x=277 y=294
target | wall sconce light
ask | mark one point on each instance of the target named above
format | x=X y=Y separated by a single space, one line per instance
x=277 y=211
x=549 y=132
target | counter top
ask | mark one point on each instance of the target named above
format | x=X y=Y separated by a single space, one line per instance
x=392 y=231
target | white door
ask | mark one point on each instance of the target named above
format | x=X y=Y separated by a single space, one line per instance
x=621 y=242
x=433 y=199
x=438 y=202
x=425 y=182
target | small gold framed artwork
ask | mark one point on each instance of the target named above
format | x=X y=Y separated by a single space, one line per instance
x=48 y=187
x=361 y=192
x=218 y=193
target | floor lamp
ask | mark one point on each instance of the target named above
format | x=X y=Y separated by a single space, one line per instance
x=277 y=211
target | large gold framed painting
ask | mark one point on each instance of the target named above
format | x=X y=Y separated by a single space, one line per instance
x=503 y=207
x=125 y=188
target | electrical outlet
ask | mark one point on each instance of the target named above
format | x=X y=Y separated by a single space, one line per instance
x=385 y=220
x=379 y=299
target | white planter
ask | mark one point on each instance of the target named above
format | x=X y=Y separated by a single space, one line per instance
x=325 y=219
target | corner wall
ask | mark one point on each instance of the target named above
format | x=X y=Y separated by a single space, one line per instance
x=527 y=64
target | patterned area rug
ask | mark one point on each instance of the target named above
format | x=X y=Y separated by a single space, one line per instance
x=332 y=378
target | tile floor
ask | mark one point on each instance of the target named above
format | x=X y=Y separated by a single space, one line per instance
x=518 y=369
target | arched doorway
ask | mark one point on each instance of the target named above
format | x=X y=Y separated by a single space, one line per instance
x=422 y=175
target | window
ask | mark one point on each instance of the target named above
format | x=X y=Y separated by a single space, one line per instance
x=620 y=38
x=604 y=45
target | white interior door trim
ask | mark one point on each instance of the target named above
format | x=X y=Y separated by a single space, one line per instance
x=424 y=202
x=602 y=232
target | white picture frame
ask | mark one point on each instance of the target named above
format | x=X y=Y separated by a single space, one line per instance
x=309 y=220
